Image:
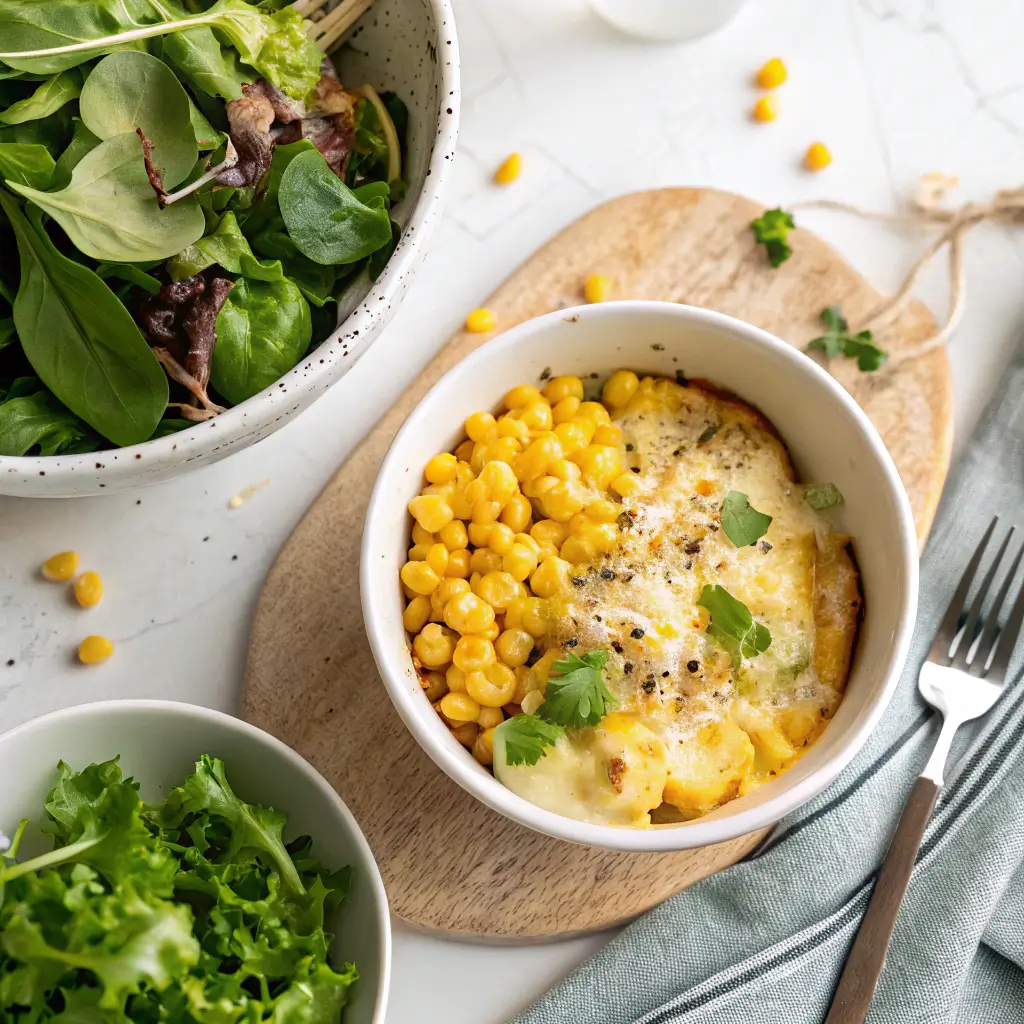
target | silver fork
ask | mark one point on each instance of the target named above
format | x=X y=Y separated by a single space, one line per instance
x=962 y=677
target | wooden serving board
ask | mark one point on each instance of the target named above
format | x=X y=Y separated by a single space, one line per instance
x=450 y=864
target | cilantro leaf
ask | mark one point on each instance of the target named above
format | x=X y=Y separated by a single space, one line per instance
x=525 y=738
x=742 y=523
x=838 y=341
x=820 y=496
x=772 y=229
x=732 y=625
x=576 y=696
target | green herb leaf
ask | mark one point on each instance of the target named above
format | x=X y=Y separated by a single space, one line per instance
x=576 y=696
x=771 y=230
x=524 y=738
x=132 y=89
x=38 y=424
x=263 y=329
x=82 y=141
x=109 y=209
x=205 y=64
x=732 y=625
x=130 y=273
x=742 y=523
x=27 y=163
x=46 y=100
x=81 y=340
x=822 y=496
x=837 y=341
x=326 y=221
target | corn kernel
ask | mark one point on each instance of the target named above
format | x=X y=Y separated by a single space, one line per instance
x=517 y=513
x=459 y=562
x=437 y=558
x=532 y=701
x=521 y=396
x=430 y=511
x=481 y=426
x=537 y=416
x=483 y=561
x=468 y=613
x=596 y=288
x=441 y=468
x=433 y=645
x=534 y=461
x=525 y=538
x=492 y=687
x=498 y=589
x=603 y=511
x=500 y=538
x=574 y=435
x=562 y=501
x=608 y=434
x=526 y=683
x=625 y=484
x=489 y=718
x=450 y=588
x=550 y=577
x=480 y=321
x=416 y=614
x=419 y=577
x=485 y=512
x=61 y=567
x=600 y=464
x=817 y=157
x=456 y=679
x=513 y=646
x=559 y=388
x=578 y=549
x=519 y=561
x=533 y=617
x=595 y=412
x=418 y=552
x=765 y=109
x=504 y=449
x=772 y=74
x=499 y=481
x=480 y=534
x=94 y=649
x=483 y=746
x=492 y=632
x=509 y=426
x=459 y=707
x=88 y=589
x=453 y=535
x=421 y=536
x=464 y=452
x=548 y=533
x=619 y=388
x=472 y=653
x=467 y=733
x=434 y=686
x=565 y=410
x=509 y=170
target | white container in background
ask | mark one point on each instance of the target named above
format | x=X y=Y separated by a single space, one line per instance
x=667 y=20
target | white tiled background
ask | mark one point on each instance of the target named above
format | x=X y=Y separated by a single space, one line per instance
x=895 y=88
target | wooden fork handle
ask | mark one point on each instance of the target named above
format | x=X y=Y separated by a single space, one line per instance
x=856 y=987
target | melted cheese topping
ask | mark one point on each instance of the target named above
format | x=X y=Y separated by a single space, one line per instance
x=690 y=730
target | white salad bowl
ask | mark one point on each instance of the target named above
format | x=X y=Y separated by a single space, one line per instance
x=159 y=743
x=830 y=440
x=410 y=48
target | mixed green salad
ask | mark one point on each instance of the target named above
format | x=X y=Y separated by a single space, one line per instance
x=193 y=911
x=186 y=191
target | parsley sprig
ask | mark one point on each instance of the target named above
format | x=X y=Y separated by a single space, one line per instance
x=732 y=625
x=838 y=341
x=772 y=229
x=576 y=696
x=742 y=523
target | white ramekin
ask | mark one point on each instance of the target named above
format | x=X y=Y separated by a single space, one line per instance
x=830 y=439
x=410 y=47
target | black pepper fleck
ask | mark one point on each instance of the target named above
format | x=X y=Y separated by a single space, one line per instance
x=665 y=674
x=573 y=641
x=707 y=433
x=692 y=666
x=692 y=547
x=627 y=667
x=636 y=633
x=630 y=446
x=616 y=647
x=648 y=685
x=765 y=546
x=545 y=374
x=10 y=662
x=607 y=574
x=579 y=581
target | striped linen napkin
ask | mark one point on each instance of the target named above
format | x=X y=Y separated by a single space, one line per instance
x=764 y=942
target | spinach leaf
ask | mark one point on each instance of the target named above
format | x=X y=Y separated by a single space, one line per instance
x=207 y=137
x=205 y=64
x=225 y=246
x=109 y=209
x=325 y=220
x=83 y=141
x=130 y=273
x=53 y=132
x=46 y=100
x=27 y=163
x=36 y=423
x=263 y=330
x=8 y=335
x=80 y=339
x=130 y=90
x=379 y=260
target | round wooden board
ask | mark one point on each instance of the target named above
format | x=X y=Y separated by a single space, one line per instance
x=450 y=864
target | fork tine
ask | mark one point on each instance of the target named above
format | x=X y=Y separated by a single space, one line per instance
x=968 y=634
x=991 y=631
x=1009 y=636
x=948 y=629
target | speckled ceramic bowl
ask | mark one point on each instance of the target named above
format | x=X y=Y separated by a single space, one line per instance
x=409 y=47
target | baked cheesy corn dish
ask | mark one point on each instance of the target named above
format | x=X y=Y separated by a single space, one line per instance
x=628 y=607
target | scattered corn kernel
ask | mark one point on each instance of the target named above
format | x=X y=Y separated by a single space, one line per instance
x=510 y=169
x=61 y=567
x=766 y=109
x=596 y=288
x=480 y=321
x=88 y=589
x=416 y=614
x=94 y=649
x=772 y=74
x=817 y=157
x=532 y=701
x=459 y=707
x=441 y=468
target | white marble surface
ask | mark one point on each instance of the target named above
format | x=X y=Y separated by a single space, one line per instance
x=895 y=89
